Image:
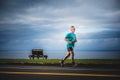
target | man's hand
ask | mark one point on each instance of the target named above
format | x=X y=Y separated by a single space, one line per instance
x=69 y=42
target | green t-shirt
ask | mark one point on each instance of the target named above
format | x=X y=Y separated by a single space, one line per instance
x=70 y=37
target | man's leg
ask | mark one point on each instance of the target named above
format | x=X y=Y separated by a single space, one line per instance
x=67 y=55
x=72 y=57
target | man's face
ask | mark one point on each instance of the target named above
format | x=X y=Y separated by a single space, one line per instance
x=72 y=30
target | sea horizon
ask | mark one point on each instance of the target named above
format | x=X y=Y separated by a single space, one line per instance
x=59 y=54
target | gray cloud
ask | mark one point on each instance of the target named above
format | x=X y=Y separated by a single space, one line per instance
x=78 y=10
x=102 y=35
x=41 y=20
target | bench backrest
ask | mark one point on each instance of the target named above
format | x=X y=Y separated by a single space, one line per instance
x=37 y=52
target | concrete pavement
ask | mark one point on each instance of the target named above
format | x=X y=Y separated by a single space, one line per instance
x=32 y=72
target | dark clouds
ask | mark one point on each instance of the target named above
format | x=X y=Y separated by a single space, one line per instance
x=10 y=9
x=37 y=21
x=102 y=35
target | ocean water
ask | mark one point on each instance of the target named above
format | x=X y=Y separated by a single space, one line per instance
x=58 y=54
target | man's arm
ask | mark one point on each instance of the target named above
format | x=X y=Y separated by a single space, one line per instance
x=74 y=40
x=68 y=41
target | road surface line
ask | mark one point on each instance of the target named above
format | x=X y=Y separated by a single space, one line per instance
x=62 y=74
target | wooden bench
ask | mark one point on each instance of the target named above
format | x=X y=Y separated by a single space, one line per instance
x=37 y=53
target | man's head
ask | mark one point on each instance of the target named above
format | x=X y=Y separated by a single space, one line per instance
x=72 y=29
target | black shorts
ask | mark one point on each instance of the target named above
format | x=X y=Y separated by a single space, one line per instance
x=70 y=49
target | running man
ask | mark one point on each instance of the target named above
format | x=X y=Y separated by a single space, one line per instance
x=70 y=38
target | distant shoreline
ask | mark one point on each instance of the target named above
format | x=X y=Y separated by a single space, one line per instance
x=60 y=54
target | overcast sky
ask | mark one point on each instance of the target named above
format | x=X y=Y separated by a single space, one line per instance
x=28 y=24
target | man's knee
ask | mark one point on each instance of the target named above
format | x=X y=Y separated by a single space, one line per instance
x=72 y=53
x=68 y=55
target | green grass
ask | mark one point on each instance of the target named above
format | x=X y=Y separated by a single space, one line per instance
x=56 y=61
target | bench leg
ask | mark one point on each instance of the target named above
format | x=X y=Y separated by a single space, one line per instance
x=33 y=57
x=38 y=57
x=45 y=57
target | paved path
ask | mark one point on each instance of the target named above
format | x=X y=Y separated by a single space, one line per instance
x=31 y=72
